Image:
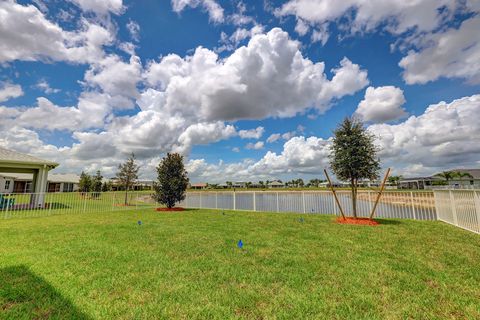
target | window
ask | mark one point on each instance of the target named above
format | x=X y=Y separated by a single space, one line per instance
x=68 y=187
x=7 y=185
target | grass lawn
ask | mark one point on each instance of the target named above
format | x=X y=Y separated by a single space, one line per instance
x=187 y=265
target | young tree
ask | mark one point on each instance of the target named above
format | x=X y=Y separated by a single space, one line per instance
x=172 y=180
x=85 y=182
x=354 y=156
x=127 y=174
x=97 y=182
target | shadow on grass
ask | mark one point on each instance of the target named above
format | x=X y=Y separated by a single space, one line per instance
x=385 y=221
x=57 y=205
x=24 y=295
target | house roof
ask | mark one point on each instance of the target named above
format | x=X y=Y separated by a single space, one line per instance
x=412 y=179
x=275 y=183
x=10 y=156
x=200 y=184
x=64 y=177
x=18 y=176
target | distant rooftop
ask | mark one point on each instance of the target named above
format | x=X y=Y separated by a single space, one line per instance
x=10 y=156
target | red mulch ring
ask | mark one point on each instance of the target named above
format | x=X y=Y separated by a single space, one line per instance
x=171 y=209
x=358 y=221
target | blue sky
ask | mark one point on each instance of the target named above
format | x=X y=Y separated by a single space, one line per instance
x=88 y=82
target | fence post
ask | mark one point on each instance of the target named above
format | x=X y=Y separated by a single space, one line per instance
x=49 y=205
x=234 y=201
x=277 y=203
x=453 y=207
x=413 y=206
x=254 y=201
x=216 y=200
x=200 y=200
x=85 y=202
x=113 y=200
x=303 y=201
x=476 y=196
x=136 y=201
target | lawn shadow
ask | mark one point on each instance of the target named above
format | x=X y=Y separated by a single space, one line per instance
x=388 y=221
x=57 y=205
x=24 y=295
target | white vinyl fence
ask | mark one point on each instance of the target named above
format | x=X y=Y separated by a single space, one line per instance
x=393 y=204
x=459 y=207
x=44 y=204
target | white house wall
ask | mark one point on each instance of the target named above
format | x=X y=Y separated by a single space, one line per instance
x=2 y=185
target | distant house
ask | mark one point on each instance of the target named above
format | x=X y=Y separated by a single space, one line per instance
x=472 y=181
x=239 y=184
x=435 y=181
x=67 y=182
x=198 y=186
x=276 y=184
x=137 y=186
x=22 y=183
x=417 y=182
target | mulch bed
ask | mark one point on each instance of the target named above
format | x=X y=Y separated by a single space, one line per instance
x=357 y=221
x=170 y=209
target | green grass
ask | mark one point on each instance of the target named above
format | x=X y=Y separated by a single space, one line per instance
x=187 y=266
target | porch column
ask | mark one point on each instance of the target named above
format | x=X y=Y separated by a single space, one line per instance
x=40 y=186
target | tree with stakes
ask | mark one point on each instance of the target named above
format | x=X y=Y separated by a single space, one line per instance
x=354 y=155
x=127 y=174
x=172 y=180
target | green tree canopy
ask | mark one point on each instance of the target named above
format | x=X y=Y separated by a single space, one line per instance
x=97 y=182
x=172 y=180
x=354 y=155
x=85 y=182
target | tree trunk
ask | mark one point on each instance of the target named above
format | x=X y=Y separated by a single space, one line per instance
x=354 y=198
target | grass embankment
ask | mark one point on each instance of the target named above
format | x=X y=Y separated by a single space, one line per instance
x=187 y=265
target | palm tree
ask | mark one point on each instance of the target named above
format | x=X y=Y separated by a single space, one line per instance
x=394 y=179
x=447 y=175
x=461 y=175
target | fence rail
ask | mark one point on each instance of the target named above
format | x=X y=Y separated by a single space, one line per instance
x=460 y=208
x=393 y=204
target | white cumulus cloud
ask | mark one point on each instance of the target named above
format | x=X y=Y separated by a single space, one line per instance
x=381 y=104
x=9 y=90
x=215 y=11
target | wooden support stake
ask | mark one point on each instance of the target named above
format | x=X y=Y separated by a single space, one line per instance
x=380 y=193
x=334 y=194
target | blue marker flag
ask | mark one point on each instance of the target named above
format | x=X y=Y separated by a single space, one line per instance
x=139 y=222
x=240 y=244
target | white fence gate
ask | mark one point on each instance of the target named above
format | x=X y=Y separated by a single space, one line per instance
x=459 y=207
x=393 y=204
